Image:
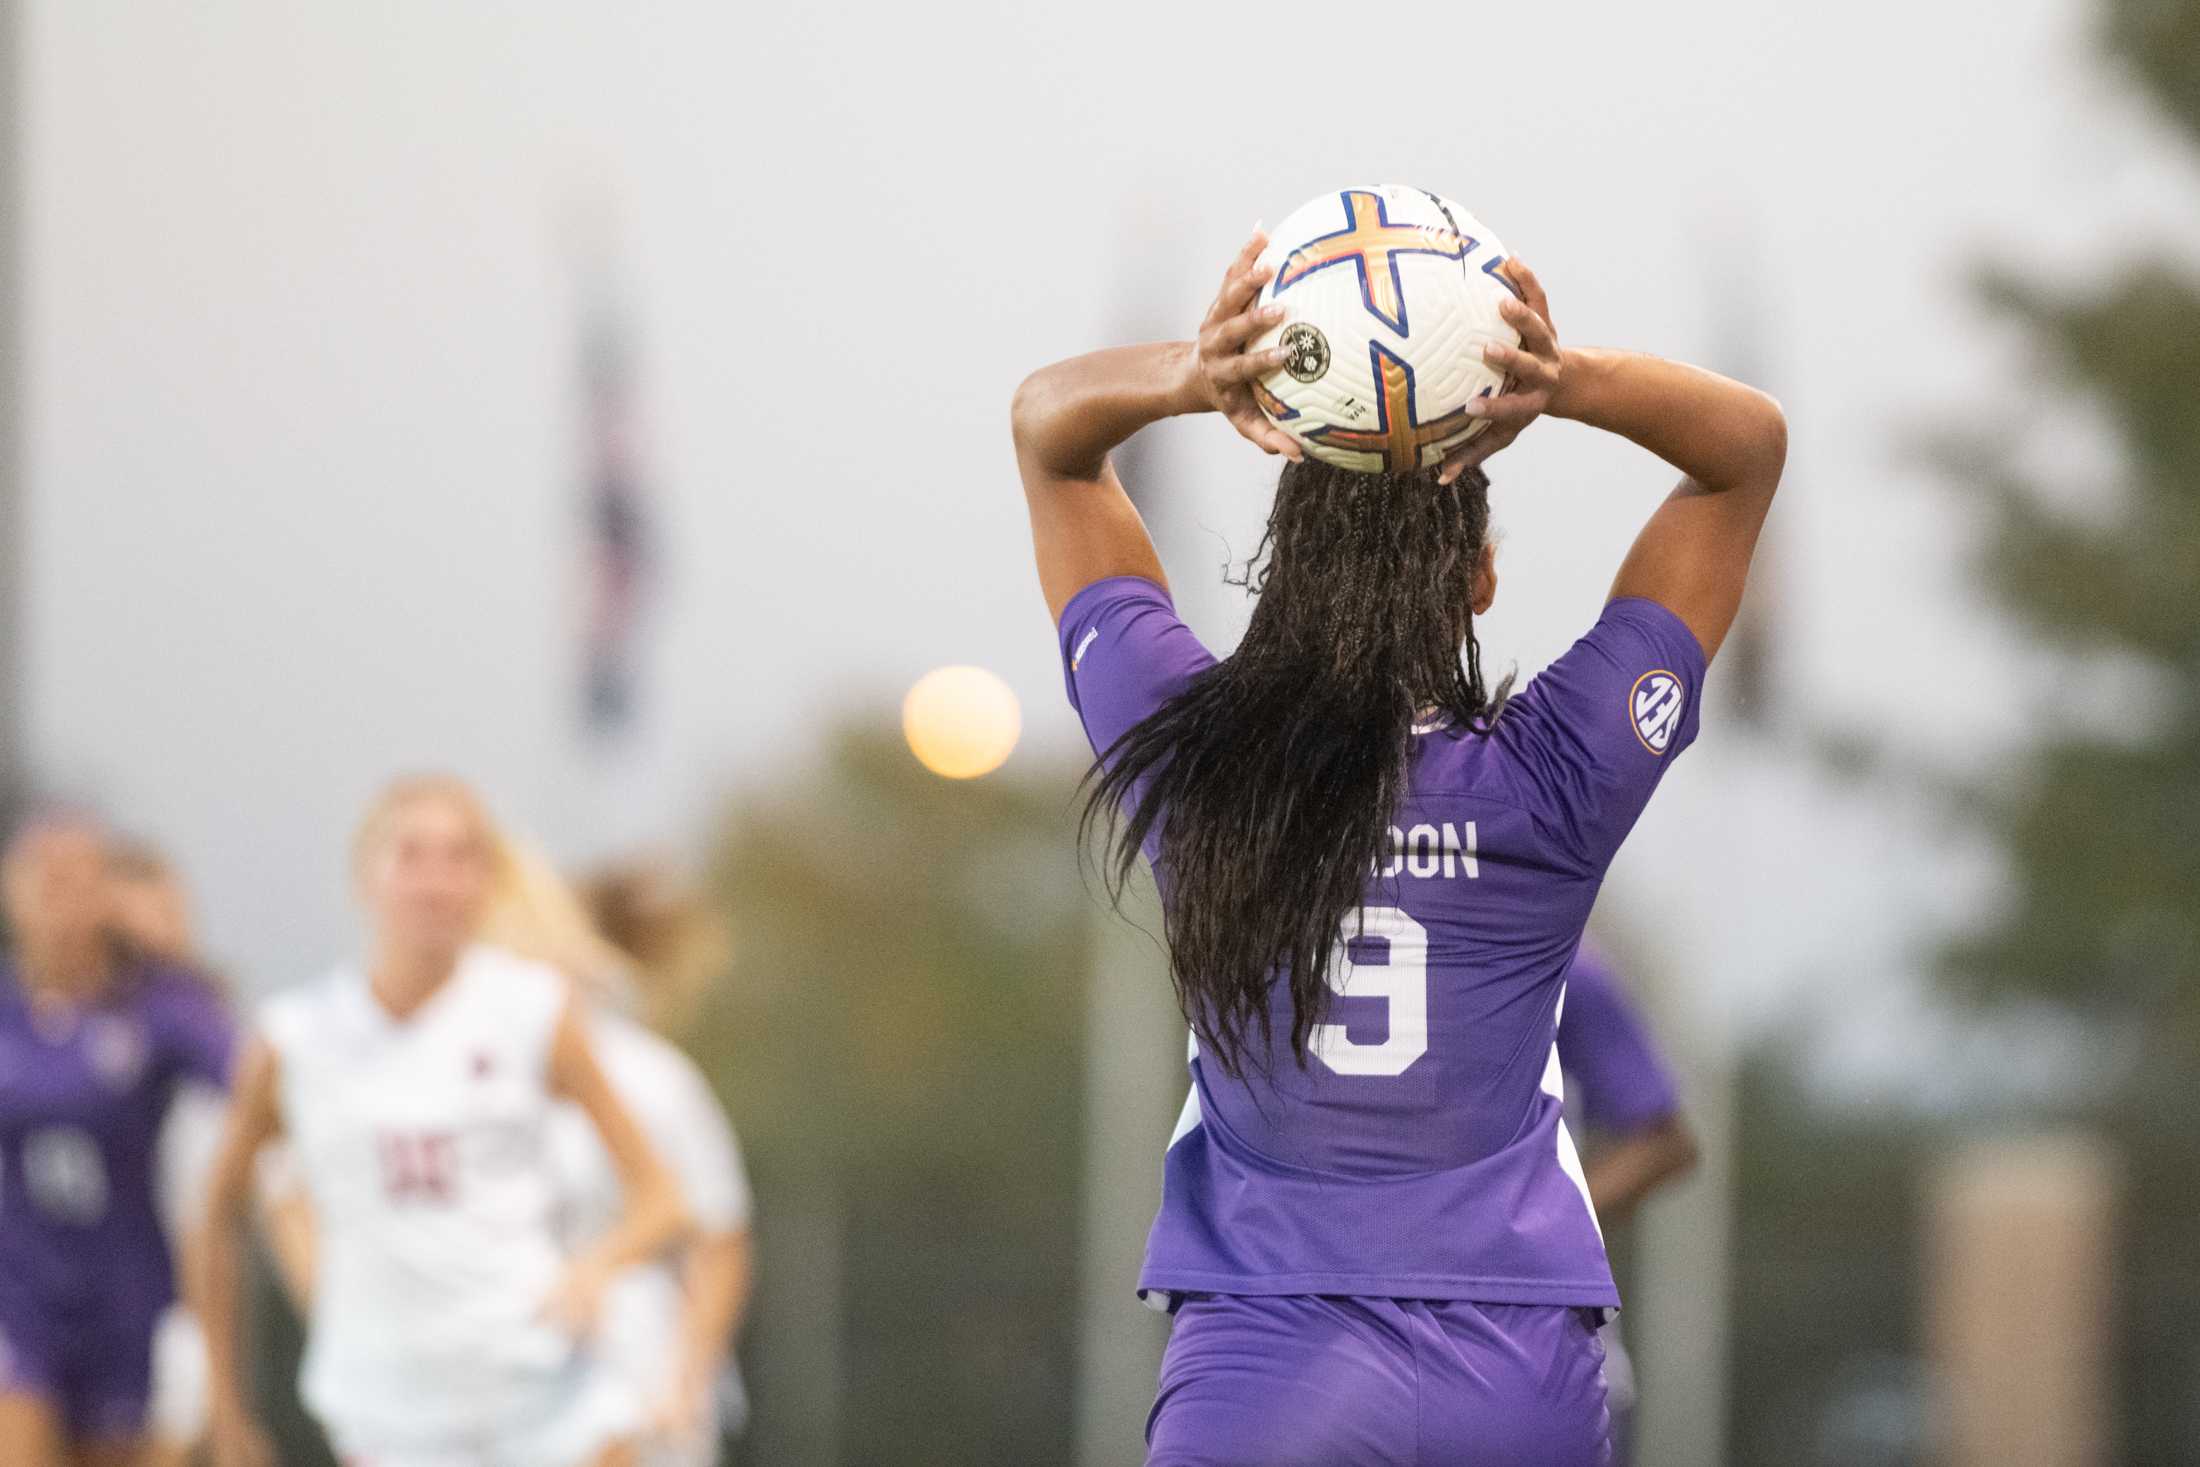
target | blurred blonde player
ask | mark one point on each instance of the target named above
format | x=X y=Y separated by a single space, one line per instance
x=448 y=1324
x=668 y=1324
x=667 y=1327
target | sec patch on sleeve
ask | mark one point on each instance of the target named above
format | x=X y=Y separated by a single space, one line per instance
x=1654 y=706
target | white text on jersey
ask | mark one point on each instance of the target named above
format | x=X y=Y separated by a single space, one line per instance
x=1433 y=850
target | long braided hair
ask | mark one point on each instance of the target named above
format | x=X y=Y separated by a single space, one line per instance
x=1270 y=780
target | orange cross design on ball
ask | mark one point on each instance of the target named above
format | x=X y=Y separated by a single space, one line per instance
x=1372 y=244
x=1397 y=436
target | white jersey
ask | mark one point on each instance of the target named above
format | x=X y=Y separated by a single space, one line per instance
x=639 y=1333
x=421 y=1145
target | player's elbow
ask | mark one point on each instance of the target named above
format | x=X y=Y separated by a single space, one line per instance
x=1678 y=1150
x=1764 y=436
x=1032 y=407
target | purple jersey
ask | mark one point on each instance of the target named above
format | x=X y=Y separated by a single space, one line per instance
x=1418 y=1153
x=83 y=1092
x=1619 y=1081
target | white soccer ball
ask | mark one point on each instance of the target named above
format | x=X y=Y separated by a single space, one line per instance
x=1389 y=293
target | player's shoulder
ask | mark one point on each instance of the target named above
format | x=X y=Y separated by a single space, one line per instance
x=501 y=980
x=1634 y=639
x=641 y=1061
x=1125 y=651
x=291 y=1015
x=1128 y=611
x=1626 y=692
x=1094 y=599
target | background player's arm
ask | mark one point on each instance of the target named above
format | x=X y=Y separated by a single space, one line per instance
x=1730 y=443
x=1624 y=1170
x=1068 y=418
x=212 y=1272
x=286 y=1216
x=714 y=1296
x=653 y=1218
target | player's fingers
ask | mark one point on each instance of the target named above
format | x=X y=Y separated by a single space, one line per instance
x=1247 y=366
x=1231 y=335
x=1535 y=332
x=1227 y=337
x=1531 y=289
x=1253 y=425
x=1247 y=254
x=1507 y=408
x=1239 y=294
x=1527 y=371
x=1484 y=443
x=1238 y=269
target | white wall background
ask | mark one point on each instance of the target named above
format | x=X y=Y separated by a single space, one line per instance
x=304 y=449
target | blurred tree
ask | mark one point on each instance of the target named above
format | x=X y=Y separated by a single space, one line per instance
x=900 y=1043
x=2102 y=836
x=2100 y=830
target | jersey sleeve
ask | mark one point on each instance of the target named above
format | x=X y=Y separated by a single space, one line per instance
x=701 y=1150
x=1594 y=733
x=1125 y=652
x=679 y=1113
x=1605 y=1048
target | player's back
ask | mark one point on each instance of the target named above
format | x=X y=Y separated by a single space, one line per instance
x=1418 y=1149
x=420 y=1143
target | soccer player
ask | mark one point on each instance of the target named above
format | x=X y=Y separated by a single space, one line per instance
x=668 y=1323
x=1375 y=870
x=94 y=1044
x=416 y=1093
x=1621 y=1092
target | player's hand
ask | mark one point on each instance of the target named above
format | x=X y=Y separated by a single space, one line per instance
x=573 y=1306
x=683 y=1413
x=1533 y=372
x=1223 y=370
x=236 y=1440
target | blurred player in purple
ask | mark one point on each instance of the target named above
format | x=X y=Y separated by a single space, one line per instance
x=93 y=1048
x=1375 y=1234
x=1620 y=1092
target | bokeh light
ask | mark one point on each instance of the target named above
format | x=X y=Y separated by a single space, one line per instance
x=961 y=722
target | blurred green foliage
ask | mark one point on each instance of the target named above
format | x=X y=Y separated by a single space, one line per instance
x=2097 y=825
x=2100 y=834
x=900 y=1042
x=2101 y=830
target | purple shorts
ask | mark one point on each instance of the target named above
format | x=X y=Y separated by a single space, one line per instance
x=1251 y=1381
x=96 y=1373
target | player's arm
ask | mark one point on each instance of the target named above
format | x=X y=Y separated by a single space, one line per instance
x=1623 y=1171
x=1069 y=417
x=213 y=1273
x=715 y=1287
x=653 y=1217
x=287 y=1219
x=698 y=1142
x=1729 y=442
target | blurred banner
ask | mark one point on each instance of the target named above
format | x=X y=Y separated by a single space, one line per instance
x=619 y=517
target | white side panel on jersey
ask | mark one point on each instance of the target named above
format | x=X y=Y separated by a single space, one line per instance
x=1554 y=1085
x=1187 y=1119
